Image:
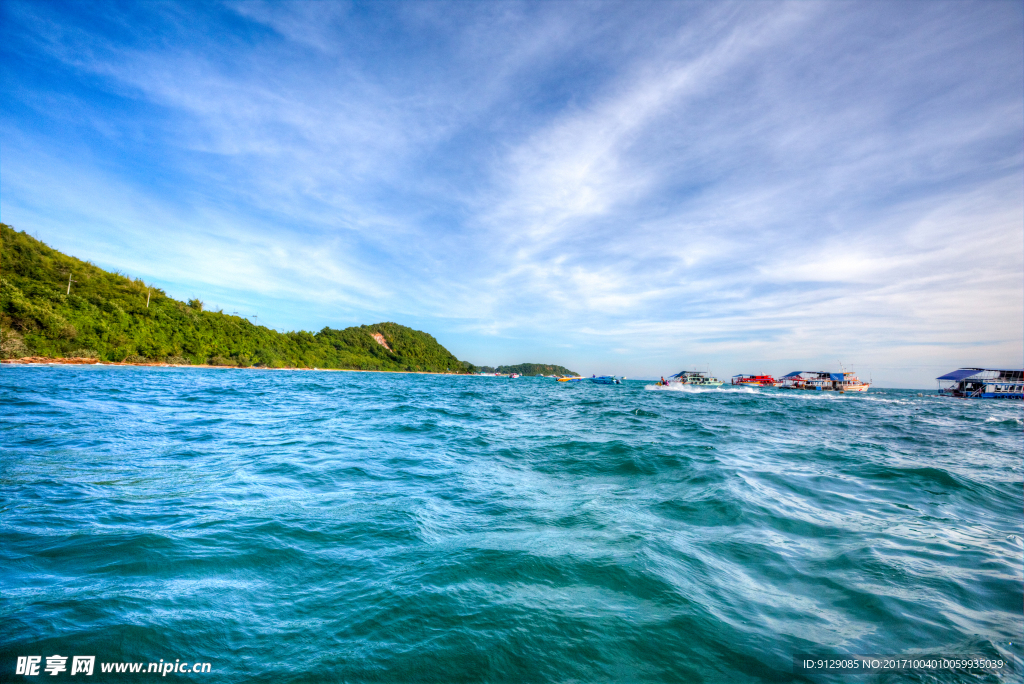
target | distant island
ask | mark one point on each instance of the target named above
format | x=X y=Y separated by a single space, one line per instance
x=529 y=369
x=113 y=318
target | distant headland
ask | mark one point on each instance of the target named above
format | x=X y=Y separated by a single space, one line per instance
x=528 y=369
x=54 y=307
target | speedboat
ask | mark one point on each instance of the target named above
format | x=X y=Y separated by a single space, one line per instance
x=605 y=380
x=754 y=381
x=572 y=378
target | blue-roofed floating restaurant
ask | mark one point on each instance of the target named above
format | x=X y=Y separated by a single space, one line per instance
x=987 y=383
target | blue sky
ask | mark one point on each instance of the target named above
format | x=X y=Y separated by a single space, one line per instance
x=619 y=187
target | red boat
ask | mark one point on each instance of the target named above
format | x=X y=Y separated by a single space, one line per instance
x=754 y=381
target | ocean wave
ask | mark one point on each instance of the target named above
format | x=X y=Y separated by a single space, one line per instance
x=353 y=526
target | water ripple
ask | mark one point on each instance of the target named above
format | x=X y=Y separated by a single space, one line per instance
x=380 y=527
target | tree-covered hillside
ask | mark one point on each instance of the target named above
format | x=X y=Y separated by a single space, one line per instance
x=115 y=318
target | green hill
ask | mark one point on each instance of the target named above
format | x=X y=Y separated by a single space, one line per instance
x=530 y=369
x=115 y=318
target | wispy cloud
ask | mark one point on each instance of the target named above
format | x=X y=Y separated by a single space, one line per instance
x=735 y=181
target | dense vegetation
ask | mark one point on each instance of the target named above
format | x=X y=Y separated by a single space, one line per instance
x=530 y=369
x=115 y=318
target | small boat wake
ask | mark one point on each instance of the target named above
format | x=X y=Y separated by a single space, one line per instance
x=692 y=389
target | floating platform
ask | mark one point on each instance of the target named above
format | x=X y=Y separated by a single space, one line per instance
x=983 y=383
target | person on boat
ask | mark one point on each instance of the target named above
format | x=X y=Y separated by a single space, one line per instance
x=663 y=380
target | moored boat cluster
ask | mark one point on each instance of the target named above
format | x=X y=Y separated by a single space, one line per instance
x=821 y=381
x=989 y=383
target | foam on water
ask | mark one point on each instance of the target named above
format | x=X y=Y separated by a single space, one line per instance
x=373 y=527
x=691 y=389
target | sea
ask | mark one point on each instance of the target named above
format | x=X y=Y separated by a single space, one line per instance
x=303 y=526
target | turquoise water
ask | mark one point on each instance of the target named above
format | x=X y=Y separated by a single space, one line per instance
x=314 y=526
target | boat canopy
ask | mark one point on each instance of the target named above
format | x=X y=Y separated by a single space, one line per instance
x=960 y=374
x=836 y=376
x=793 y=374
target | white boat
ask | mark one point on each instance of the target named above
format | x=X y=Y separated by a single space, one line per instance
x=851 y=383
x=695 y=379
